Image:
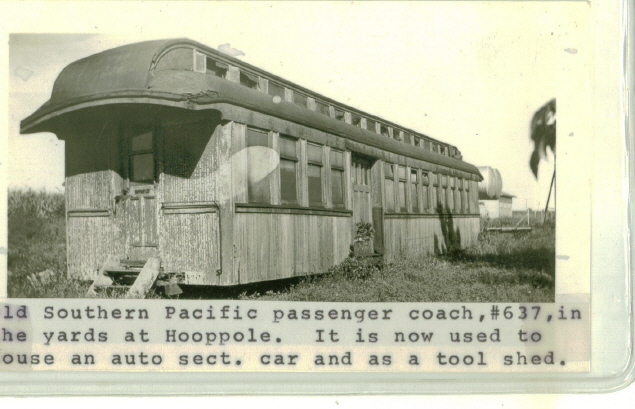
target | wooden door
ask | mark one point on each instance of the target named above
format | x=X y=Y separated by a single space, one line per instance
x=362 y=206
x=141 y=206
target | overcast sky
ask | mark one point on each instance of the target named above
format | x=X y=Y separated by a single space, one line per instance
x=471 y=74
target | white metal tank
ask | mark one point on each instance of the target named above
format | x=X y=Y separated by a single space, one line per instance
x=491 y=186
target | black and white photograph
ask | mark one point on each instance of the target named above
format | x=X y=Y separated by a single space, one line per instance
x=322 y=198
x=330 y=160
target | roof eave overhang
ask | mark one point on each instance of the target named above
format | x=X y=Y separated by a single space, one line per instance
x=40 y=120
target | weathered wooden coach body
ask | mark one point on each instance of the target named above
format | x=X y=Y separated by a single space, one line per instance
x=232 y=175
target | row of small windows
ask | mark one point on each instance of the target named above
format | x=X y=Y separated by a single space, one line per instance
x=420 y=191
x=407 y=190
x=206 y=64
x=261 y=181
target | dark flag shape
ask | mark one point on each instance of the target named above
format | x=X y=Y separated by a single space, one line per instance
x=543 y=133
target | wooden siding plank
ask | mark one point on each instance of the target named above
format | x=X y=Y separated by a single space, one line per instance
x=150 y=221
x=193 y=247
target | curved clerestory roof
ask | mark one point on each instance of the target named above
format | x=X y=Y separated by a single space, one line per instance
x=126 y=75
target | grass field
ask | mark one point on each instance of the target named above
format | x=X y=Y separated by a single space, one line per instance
x=501 y=267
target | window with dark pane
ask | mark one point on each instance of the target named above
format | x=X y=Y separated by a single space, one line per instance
x=322 y=108
x=384 y=130
x=288 y=170
x=425 y=181
x=402 y=189
x=248 y=80
x=314 y=172
x=275 y=90
x=142 y=142
x=337 y=178
x=339 y=114
x=141 y=160
x=389 y=187
x=414 y=191
x=370 y=125
x=258 y=172
x=216 y=68
x=457 y=197
x=300 y=99
x=142 y=168
x=356 y=120
x=441 y=193
x=432 y=191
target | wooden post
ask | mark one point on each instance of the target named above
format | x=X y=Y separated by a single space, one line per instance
x=549 y=196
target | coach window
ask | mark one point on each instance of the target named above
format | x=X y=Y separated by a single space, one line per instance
x=248 y=80
x=449 y=192
x=402 y=189
x=314 y=171
x=356 y=120
x=258 y=174
x=425 y=182
x=414 y=191
x=339 y=114
x=300 y=100
x=216 y=68
x=275 y=90
x=434 y=191
x=457 y=196
x=142 y=159
x=337 y=178
x=322 y=108
x=416 y=141
x=389 y=187
x=370 y=125
x=383 y=129
x=288 y=170
x=441 y=192
x=396 y=133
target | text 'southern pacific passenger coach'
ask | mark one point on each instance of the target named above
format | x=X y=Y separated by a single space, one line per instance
x=225 y=174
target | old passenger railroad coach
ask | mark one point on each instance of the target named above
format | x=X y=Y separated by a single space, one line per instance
x=216 y=172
